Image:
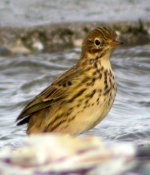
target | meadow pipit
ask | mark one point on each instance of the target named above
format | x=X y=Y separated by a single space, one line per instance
x=81 y=97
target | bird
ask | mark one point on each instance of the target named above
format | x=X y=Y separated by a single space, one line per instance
x=80 y=98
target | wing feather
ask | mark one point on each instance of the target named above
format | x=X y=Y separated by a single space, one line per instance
x=53 y=94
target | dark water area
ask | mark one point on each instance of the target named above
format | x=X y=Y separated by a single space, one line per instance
x=23 y=77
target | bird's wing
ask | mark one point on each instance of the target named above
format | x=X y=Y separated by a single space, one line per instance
x=55 y=93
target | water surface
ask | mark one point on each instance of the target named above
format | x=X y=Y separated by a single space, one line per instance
x=23 y=77
x=25 y=13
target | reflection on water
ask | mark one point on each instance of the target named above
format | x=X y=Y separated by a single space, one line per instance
x=23 y=77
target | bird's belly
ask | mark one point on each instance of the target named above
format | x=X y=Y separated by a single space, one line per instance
x=90 y=114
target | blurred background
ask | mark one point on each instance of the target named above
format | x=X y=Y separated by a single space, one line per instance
x=39 y=40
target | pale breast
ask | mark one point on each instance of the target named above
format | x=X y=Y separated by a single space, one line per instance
x=97 y=102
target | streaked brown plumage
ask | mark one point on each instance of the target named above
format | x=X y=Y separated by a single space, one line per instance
x=81 y=97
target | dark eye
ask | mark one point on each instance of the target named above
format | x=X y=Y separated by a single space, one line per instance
x=97 y=42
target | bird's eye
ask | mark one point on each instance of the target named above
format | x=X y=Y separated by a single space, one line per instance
x=97 y=42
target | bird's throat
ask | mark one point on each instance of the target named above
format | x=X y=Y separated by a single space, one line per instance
x=99 y=59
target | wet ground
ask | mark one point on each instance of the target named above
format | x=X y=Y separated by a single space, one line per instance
x=22 y=77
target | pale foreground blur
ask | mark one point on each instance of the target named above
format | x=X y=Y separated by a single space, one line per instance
x=49 y=154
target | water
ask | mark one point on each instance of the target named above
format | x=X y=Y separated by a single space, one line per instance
x=36 y=12
x=23 y=77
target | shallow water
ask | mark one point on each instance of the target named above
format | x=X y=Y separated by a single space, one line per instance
x=23 y=77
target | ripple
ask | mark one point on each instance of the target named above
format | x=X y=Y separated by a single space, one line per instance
x=23 y=77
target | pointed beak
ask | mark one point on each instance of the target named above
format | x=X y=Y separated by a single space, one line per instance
x=115 y=43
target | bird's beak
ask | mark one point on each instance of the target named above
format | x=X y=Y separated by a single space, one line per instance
x=115 y=43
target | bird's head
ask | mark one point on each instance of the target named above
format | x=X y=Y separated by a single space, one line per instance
x=100 y=41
